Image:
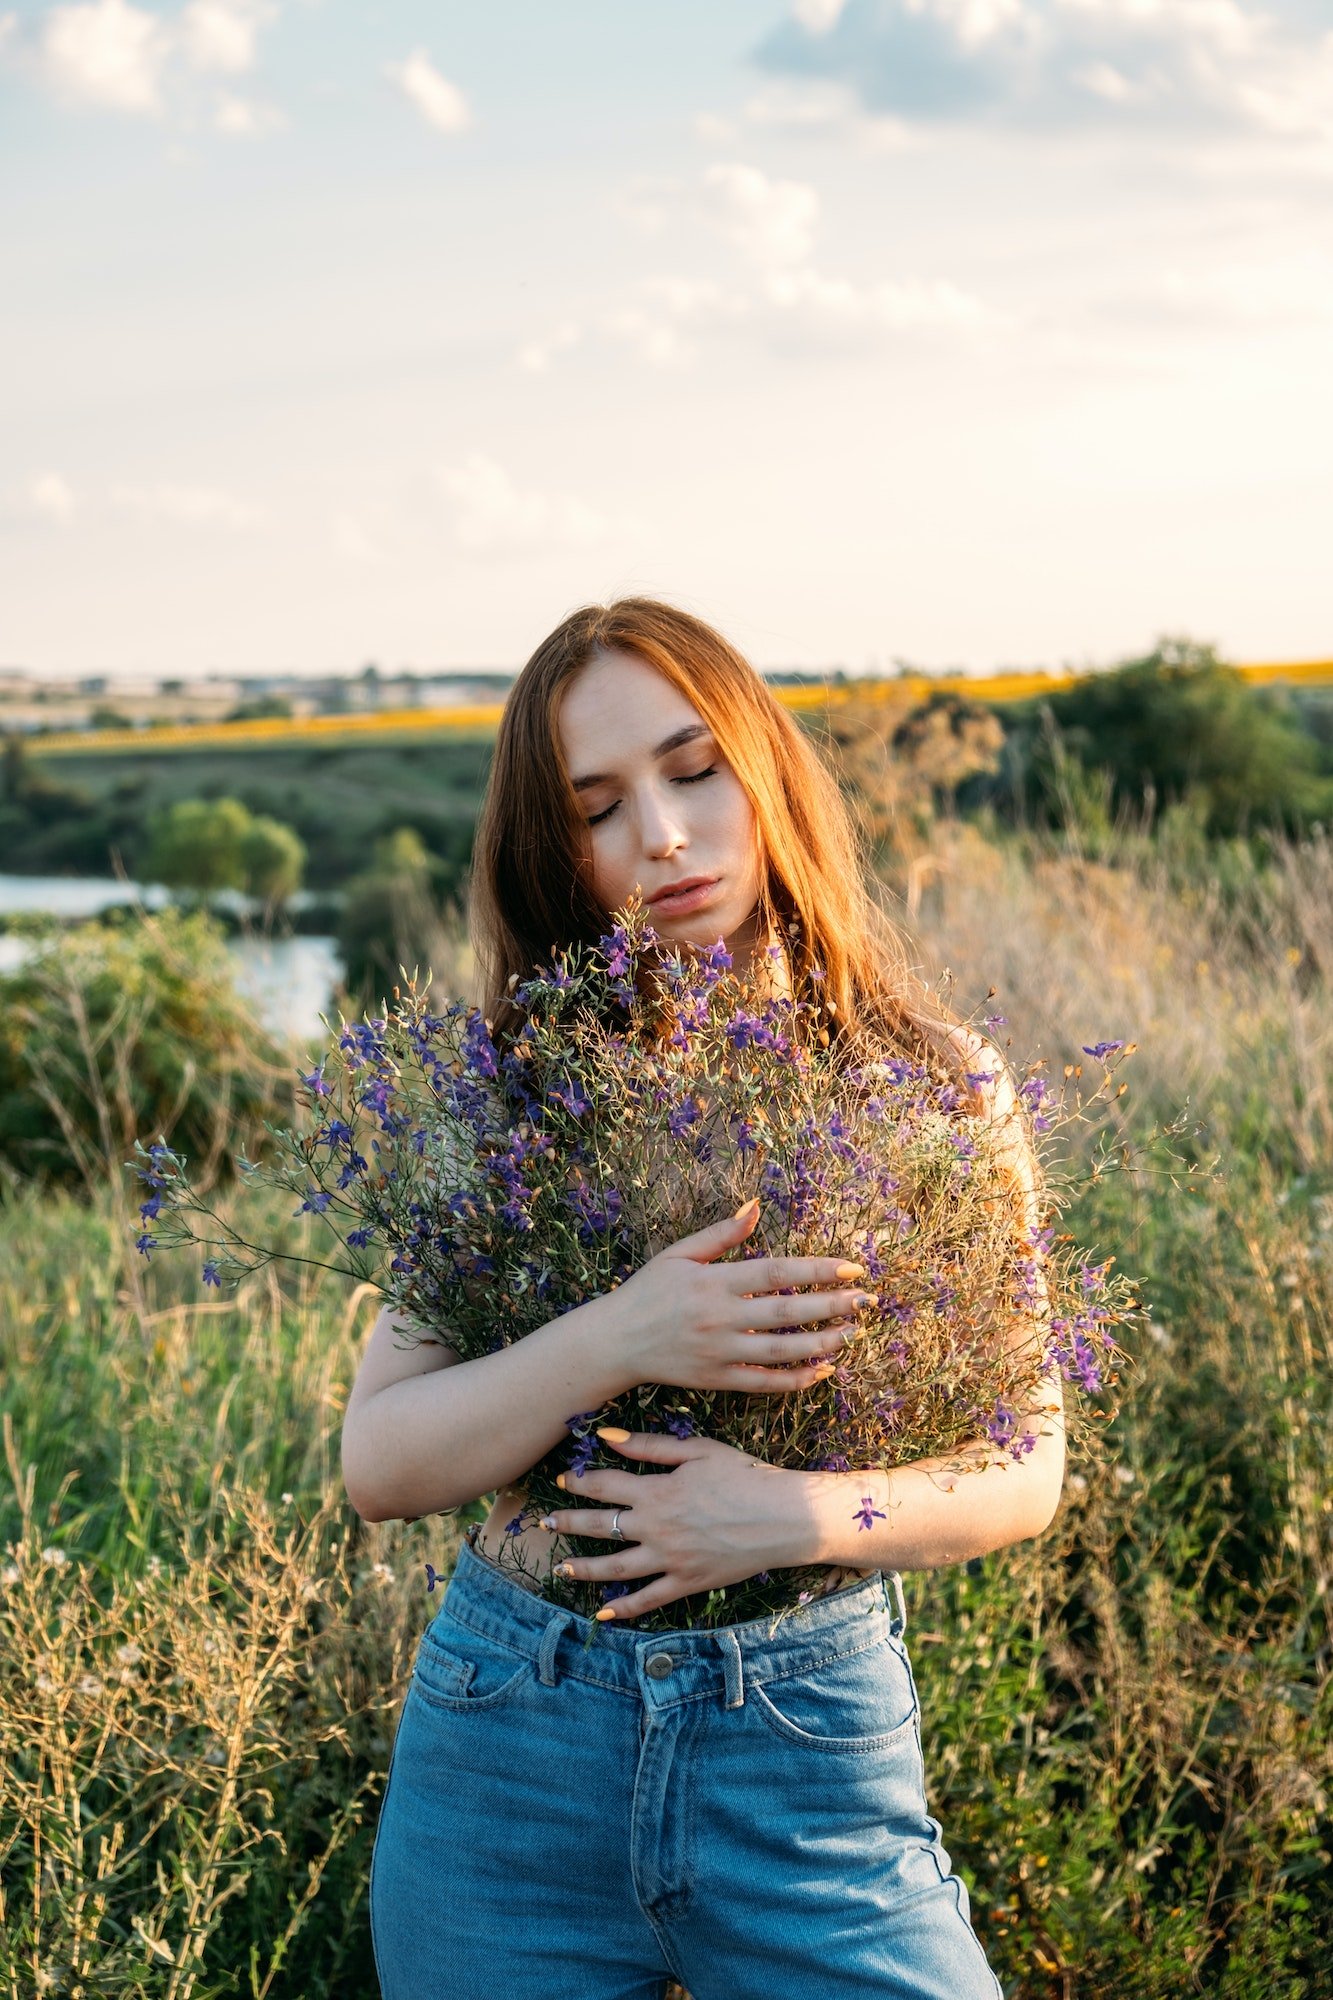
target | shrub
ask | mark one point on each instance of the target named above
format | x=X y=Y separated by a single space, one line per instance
x=119 y=1031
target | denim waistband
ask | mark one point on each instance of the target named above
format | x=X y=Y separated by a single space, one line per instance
x=482 y=1597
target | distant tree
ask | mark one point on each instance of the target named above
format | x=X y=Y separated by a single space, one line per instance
x=261 y=708
x=196 y=844
x=273 y=858
x=106 y=717
x=1181 y=722
x=206 y=845
x=388 y=912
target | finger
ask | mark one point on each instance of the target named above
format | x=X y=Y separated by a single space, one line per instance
x=608 y=1569
x=754 y=1350
x=611 y=1485
x=774 y=1309
x=583 y=1521
x=651 y=1598
x=771 y=1274
x=775 y=1381
x=663 y=1446
x=704 y=1245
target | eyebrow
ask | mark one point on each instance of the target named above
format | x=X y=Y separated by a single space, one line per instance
x=664 y=748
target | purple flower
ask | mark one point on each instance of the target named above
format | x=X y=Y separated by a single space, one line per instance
x=151 y=1209
x=681 y=1117
x=515 y=1527
x=1100 y=1049
x=146 y=1244
x=868 y=1513
x=616 y=948
x=679 y=1425
x=610 y=1590
x=316 y=1201
x=434 y=1576
x=357 y=1239
x=211 y=1274
x=315 y=1083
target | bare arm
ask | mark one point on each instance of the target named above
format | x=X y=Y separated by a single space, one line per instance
x=425 y=1431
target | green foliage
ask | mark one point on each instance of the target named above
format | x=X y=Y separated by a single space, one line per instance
x=262 y=708
x=204 y=845
x=196 y=844
x=1176 y=724
x=340 y=799
x=273 y=858
x=387 y=912
x=120 y=1031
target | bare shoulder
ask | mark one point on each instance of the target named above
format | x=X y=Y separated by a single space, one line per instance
x=392 y=1356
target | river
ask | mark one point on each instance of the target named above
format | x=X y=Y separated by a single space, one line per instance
x=290 y=980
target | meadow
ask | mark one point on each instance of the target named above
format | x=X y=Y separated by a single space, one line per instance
x=1127 y=1722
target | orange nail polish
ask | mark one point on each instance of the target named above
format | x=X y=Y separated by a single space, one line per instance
x=607 y=1611
x=613 y=1435
x=560 y=1481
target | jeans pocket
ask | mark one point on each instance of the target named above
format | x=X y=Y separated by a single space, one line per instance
x=457 y=1668
x=850 y=1703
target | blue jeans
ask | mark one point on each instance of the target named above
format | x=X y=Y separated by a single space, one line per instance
x=578 y=1811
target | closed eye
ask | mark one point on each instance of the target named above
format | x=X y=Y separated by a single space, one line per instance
x=694 y=779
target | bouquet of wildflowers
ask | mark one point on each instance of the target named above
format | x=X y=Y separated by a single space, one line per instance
x=647 y=1094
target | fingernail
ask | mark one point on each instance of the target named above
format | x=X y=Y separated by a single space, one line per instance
x=861 y=1300
x=607 y=1611
x=560 y=1481
x=851 y=1270
x=614 y=1436
x=822 y=1374
x=742 y=1212
x=564 y=1569
x=547 y=1521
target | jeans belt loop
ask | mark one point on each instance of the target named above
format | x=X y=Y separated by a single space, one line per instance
x=899 y=1625
x=551 y=1637
x=730 y=1648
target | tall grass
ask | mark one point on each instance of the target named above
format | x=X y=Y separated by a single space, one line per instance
x=202 y=1649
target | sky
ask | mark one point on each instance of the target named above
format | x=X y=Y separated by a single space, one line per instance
x=967 y=333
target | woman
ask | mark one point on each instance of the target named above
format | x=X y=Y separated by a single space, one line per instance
x=741 y=1809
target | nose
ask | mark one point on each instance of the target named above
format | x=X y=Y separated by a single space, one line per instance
x=660 y=830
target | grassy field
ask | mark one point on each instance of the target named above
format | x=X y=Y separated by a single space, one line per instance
x=1127 y=1723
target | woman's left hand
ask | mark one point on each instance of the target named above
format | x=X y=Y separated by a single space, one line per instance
x=719 y=1517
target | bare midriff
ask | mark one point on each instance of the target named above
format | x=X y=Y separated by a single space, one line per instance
x=533 y=1551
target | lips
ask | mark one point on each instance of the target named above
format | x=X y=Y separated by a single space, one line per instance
x=679 y=888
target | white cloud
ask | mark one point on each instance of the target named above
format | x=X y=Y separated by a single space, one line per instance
x=797 y=107
x=49 y=496
x=1179 y=68
x=769 y=221
x=817 y=15
x=837 y=305
x=494 y=517
x=242 y=118
x=441 y=103
x=220 y=35
x=106 y=52
x=189 y=506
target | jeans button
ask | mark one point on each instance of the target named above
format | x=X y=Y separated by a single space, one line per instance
x=659 y=1665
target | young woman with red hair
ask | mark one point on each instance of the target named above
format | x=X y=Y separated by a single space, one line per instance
x=740 y=1808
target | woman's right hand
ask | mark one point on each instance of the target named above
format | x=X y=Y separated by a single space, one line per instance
x=692 y=1322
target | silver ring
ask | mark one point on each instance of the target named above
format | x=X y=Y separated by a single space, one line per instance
x=616 y=1528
